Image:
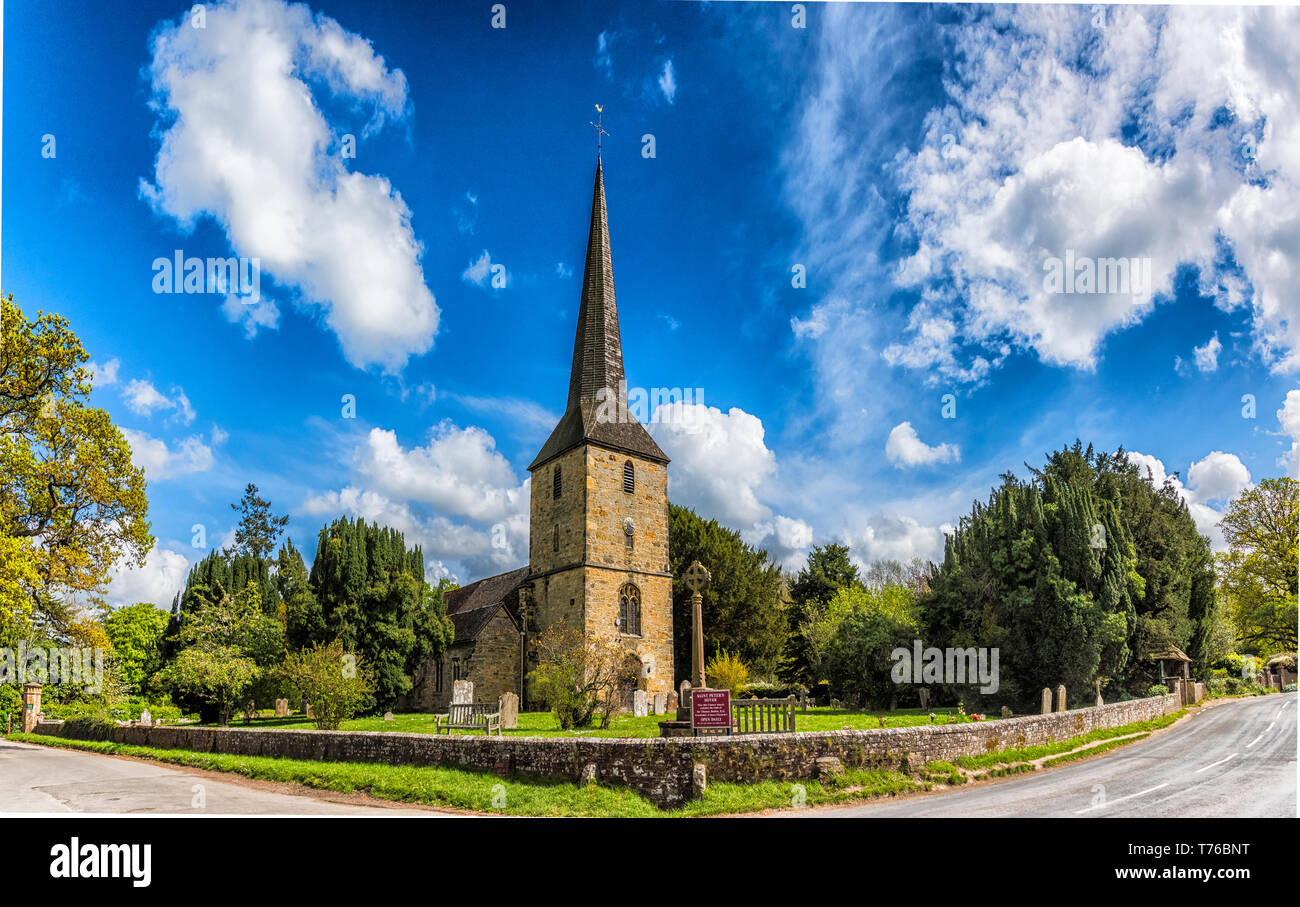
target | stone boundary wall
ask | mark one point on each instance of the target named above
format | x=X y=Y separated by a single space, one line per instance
x=659 y=768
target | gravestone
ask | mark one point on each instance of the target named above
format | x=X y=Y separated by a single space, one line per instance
x=250 y=710
x=639 y=706
x=925 y=697
x=1047 y=701
x=462 y=692
x=588 y=774
x=684 y=701
x=1060 y=697
x=508 y=706
x=302 y=706
x=672 y=702
x=1100 y=701
x=1006 y=712
x=309 y=712
x=145 y=718
x=388 y=716
x=659 y=704
x=282 y=708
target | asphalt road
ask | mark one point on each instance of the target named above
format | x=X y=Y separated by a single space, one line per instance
x=1228 y=760
x=37 y=779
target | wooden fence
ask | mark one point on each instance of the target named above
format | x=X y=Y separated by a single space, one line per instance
x=764 y=716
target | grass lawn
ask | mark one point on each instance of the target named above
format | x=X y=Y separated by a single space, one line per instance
x=530 y=796
x=543 y=724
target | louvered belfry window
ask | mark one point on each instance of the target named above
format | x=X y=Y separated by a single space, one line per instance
x=556 y=483
x=629 y=477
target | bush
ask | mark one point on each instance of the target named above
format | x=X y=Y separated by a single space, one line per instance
x=773 y=689
x=335 y=682
x=727 y=672
x=1158 y=689
x=89 y=727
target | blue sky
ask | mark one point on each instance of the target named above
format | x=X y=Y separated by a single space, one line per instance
x=917 y=165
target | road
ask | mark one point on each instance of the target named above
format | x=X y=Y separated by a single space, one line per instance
x=37 y=779
x=1235 y=759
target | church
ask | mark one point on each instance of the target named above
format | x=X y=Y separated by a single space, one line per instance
x=598 y=529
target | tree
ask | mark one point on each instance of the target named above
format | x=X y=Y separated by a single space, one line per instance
x=851 y=640
x=579 y=678
x=828 y=570
x=742 y=608
x=72 y=505
x=1258 y=572
x=371 y=594
x=334 y=681
x=226 y=644
x=258 y=528
x=136 y=634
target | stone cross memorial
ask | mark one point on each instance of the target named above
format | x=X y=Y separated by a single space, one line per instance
x=697 y=579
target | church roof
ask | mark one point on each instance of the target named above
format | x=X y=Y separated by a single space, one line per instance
x=472 y=607
x=598 y=359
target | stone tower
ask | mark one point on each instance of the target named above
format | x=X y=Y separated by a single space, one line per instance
x=598 y=527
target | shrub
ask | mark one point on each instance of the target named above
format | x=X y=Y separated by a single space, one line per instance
x=89 y=727
x=765 y=688
x=727 y=672
x=335 y=682
x=578 y=677
x=1158 y=689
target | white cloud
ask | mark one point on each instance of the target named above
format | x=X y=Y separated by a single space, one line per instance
x=244 y=141
x=1207 y=357
x=905 y=448
x=480 y=270
x=1213 y=480
x=786 y=539
x=892 y=536
x=1289 y=418
x=103 y=375
x=668 y=82
x=159 y=461
x=604 y=60
x=719 y=460
x=158 y=581
x=144 y=399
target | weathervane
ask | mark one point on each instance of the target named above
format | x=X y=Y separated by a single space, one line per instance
x=600 y=130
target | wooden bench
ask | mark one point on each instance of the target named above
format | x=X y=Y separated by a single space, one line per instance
x=467 y=716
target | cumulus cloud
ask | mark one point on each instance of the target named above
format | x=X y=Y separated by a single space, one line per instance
x=161 y=461
x=1212 y=482
x=457 y=497
x=719 y=459
x=158 y=581
x=480 y=270
x=1207 y=356
x=905 y=448
x=144 y=399
x=245 y=142
x=892 y=536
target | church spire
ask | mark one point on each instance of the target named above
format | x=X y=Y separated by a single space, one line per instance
x=596 y=379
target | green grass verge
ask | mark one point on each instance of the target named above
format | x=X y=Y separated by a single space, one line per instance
x=517 y=796
x=1093 y=751
x=543 y=724
x=1030 y=753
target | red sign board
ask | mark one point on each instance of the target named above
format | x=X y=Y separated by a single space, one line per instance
x=711 y=709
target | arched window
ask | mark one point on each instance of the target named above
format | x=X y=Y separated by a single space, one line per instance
x=556 y=483
x=629 y=610
x=629 y=477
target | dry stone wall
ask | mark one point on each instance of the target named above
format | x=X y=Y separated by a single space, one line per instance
x=662 y=768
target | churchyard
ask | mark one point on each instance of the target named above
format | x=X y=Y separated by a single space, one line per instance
x=543 y=724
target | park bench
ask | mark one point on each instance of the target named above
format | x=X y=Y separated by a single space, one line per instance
x=467 y=716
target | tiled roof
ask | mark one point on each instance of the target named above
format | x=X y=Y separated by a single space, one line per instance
x=472 y=607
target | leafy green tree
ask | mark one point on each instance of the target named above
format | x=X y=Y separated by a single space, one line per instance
x=828 y=570
x=258 y=528
x=72 y=504
x=742 y=607
x=226 y=645
x=136 y=633
x=852 y=638
x=579 y=677
x=1259 y=570
x=336 y=682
